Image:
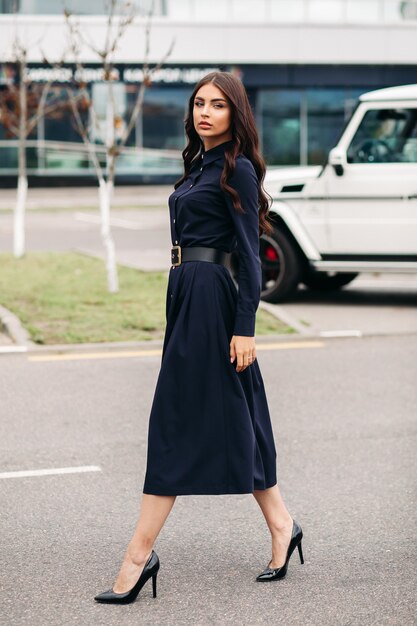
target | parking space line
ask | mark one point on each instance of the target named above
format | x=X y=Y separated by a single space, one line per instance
x=289 y=345
x=51 y=472
x=341 y=333
x=119 y=222
x=12 y=349
x=125 y=354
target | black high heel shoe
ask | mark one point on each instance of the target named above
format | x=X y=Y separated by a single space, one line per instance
x=150 y=570
x=279 y=572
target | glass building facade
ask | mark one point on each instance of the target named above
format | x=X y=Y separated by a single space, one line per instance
x=300 y=109
x=298 y=124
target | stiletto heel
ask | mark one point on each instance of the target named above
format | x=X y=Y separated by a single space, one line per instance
x=300 y=552
x=149 y=571
x=279 y=572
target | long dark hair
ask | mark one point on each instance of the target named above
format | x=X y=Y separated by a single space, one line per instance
x=245 y=141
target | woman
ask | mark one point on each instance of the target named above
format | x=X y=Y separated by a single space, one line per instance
x=209 y=428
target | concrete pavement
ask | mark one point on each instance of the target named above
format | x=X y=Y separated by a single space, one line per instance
x=80 y=197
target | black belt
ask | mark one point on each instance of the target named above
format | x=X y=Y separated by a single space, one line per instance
x=198 y=253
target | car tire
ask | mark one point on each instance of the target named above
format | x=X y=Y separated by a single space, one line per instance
x=320 y=281
x=281 y=267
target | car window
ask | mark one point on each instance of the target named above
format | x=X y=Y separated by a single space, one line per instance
x=385 y=136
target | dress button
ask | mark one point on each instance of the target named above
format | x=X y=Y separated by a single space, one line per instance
x=201 y=169
x=173 y=221
x=191 y=185
x=176 y=241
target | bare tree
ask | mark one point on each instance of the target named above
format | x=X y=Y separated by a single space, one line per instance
x=21 y=108
x=120 y=18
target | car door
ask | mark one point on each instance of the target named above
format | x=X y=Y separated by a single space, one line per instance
x=370 y=185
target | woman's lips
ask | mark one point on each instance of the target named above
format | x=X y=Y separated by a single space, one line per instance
x=205 y=124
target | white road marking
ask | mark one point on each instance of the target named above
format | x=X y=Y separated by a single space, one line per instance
x=289 y=345
x=341 y=333
x=11 y=349
x=51 y=472
x=120 y=222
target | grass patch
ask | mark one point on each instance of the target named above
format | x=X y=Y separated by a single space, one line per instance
x=63 y=298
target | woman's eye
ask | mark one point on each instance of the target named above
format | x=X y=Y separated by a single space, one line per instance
x=218 y=106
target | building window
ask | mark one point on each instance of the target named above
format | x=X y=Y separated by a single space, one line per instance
x=279 y=126
x=164 y=111
x=299 y=127
x=327 y=112
x=60 y=124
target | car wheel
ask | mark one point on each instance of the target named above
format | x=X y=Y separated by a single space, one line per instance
x=281 y=267
x=321 y=281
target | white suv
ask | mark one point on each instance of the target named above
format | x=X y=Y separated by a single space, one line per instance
x=357 y=212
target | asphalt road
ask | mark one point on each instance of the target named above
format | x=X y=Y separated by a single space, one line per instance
x=344 y=419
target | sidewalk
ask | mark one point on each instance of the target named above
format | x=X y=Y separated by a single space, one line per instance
x=84 y=197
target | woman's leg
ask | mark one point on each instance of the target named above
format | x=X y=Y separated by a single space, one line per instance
x=154 y=510
x=279 y=522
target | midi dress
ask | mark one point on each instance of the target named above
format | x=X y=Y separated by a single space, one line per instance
x=209 y=430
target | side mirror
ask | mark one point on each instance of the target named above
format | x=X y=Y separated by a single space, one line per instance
x=337 y=158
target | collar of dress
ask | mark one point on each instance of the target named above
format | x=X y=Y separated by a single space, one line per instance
x=208 y=156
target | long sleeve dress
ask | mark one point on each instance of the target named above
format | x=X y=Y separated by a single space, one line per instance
x=209 y=427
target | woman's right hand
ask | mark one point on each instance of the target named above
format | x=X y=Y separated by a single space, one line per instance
x=244 y=350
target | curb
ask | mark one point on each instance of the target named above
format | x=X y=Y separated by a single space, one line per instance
x=283 y=316
x=22 y=342
x=14 y=329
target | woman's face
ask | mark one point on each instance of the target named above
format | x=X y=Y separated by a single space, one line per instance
x=212 y=107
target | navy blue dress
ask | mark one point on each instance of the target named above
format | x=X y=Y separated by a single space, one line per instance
x=209 y=428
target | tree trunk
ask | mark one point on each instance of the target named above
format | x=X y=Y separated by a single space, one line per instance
x=22 y=183
x=19 y=217
x=105 y=195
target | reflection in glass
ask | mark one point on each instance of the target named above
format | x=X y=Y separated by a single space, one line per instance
x=327 y=112
x=279 y=114
x=164 y=110
x=299 y=127
x=60 y=125
x=101 y=104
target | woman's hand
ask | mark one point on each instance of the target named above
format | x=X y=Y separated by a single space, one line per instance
x=244 y=349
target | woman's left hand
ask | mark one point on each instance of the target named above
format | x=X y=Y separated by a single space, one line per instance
x=244 y=349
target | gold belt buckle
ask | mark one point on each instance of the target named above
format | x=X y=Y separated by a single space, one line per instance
x=177 y=253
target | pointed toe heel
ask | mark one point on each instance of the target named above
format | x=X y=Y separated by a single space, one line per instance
x=300 y=552
x=277 y=573
x=149 y=571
